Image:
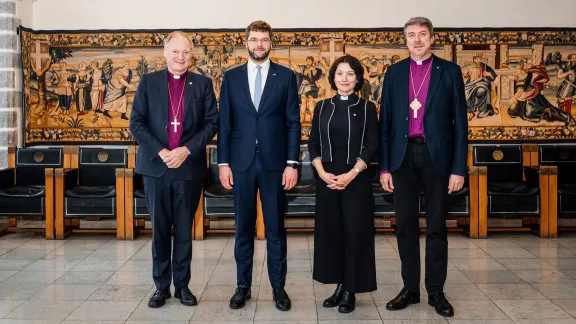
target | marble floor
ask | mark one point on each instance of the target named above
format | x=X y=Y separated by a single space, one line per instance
x=508 y=278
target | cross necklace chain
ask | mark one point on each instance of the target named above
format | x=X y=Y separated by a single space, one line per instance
x=175 y=123
x=415 y=104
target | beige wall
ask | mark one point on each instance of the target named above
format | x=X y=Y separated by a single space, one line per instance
x=174 y=14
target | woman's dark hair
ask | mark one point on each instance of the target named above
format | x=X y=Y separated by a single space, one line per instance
x=356 y=67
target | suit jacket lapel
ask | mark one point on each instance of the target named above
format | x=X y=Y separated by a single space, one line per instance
x=403 y=84
x=244 y=84
x=270 y=80
x=434 y=79
x=163 y=91
x=188 y=96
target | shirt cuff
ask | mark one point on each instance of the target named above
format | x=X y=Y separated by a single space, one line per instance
x=384 y=171
x=219 y=164
x=290 y=161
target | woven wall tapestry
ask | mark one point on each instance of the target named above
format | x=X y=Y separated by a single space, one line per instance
x=79 y=85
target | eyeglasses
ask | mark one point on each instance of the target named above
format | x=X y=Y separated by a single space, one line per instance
x=261 y=40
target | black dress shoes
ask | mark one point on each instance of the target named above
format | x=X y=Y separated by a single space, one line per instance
x=441 y=304
x=186 y=297
x=241 y=295
x=348 y=303
x=159 y=298
x=282 y=300
x=335 y=299
x=402 y=301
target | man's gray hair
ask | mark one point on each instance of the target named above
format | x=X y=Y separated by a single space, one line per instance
x=175 y=34
x=420 y=21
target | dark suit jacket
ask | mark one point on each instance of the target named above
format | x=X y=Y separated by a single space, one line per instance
x=276 y=124
x=149 y=124
x=445 y=120
x=362 y=130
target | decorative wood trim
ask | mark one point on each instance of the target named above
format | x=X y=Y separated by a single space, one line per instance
x=120 y=207
x=49 y=202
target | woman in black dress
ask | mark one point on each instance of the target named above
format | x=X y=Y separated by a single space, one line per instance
x=343 y=141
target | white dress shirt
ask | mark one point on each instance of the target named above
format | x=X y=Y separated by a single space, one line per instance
x=252 y=71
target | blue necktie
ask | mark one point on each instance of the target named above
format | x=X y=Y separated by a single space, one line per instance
x=258 y=87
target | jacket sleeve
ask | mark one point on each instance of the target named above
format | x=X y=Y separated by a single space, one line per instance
x=385 y=121
x=139 y=122
x=314 y=138
x=292 y=120
x=460 y=125
x=225 y=123
x=370 y=145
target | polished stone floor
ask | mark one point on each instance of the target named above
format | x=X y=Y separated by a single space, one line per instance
x=507 y=278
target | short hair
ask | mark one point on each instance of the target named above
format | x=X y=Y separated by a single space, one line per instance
x=175 y=34
x=356 y=67
x=259 y=26
x=419 y=21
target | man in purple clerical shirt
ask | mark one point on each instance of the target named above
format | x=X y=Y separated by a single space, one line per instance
x=173 y=118
x=423 y=138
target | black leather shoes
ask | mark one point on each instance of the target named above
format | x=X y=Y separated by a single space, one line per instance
x=348 y=303
x=282 y=300
x=402 y=301
x=186 y=297
x=159 y=298
x=441 y=304
x=241 y=295
x=335 y=299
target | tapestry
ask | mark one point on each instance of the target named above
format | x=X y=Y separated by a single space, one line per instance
x=79 y=86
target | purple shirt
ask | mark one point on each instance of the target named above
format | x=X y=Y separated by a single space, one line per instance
x=177 y=95
x=416 y=126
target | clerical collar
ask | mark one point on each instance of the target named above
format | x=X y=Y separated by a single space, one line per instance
x=174 y=76
x=349 y=98
x=426 y=61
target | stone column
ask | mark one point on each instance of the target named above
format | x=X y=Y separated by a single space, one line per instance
x=10 y=80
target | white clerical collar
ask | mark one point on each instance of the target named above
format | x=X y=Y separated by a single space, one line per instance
x=176 y=76
x=264 y=65
x=421 y=61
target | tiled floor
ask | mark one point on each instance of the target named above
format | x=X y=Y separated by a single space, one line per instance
x=96 y=279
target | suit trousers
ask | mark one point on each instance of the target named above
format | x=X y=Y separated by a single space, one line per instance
x=417 y=172
x=246 y=185
x=171 y=203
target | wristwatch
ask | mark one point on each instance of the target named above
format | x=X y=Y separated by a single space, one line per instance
x=292 y=165
x=356 y=170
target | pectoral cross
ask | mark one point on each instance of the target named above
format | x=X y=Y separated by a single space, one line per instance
x=175 y=123
x=415 y=105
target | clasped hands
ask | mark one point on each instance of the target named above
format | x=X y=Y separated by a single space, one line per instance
x=174 y=158
x=338 y=182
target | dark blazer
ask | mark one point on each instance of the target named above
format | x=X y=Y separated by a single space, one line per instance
x=149 y=124
x=445 y=120
x=276 y=124
x=362 y=130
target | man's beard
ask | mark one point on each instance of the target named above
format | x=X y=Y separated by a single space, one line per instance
x=257 y=58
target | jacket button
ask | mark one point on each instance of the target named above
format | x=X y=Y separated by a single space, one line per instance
x=166 y=127
x=257 y=117
x=405 y=135
x=254 y=134
x=406 y=118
